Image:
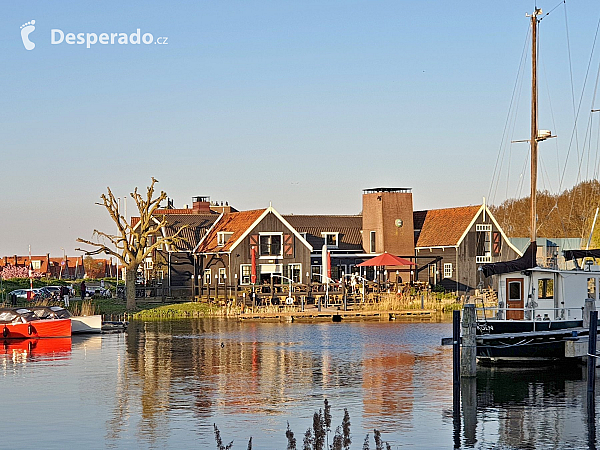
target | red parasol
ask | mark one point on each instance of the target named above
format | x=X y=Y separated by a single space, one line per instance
x=253 y=276
x=386 y=259
x=329 y=265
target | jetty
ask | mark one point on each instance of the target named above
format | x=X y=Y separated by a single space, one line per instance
x=336 y=315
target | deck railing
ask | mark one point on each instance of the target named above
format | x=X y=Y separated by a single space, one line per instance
x=530 y=314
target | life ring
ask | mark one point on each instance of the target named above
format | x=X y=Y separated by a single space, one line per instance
x=5 y=331
x=30 y=329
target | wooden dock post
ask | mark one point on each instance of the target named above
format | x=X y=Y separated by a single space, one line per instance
x=588 y=306
x=456 y=376
x=591 y=362
x=469 y=347
x=456 y=348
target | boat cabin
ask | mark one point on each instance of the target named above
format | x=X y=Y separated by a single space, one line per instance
x=540 y=294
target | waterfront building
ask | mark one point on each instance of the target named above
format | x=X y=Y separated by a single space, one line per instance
x=446 y=245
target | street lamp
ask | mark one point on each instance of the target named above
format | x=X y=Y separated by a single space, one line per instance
x=62 y=263
x=290 y=284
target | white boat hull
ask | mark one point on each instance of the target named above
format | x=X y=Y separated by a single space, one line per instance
x=86 y=324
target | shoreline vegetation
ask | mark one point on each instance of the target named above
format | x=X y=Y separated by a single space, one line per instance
x=155 y=309
x=317 y=436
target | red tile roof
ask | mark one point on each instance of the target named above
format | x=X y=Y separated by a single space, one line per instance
x=48 y=266
x=445 y=227
x=236 y=223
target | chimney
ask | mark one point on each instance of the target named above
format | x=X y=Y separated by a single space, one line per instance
x=387 y=221
x=201 y=205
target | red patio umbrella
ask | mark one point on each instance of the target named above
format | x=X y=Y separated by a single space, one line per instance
x=253 y=273
x=386 y=259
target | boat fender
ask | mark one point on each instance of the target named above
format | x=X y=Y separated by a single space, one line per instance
x=5 y=331
x=30 y=329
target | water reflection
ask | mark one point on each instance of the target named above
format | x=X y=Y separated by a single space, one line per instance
x=170 y=381
x=21 y=350
x=220 y=368
x=531 y=408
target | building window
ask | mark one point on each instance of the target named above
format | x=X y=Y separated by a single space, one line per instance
x=546 y=288
x=331 y=239
x=36 y=265
x=484 y=243
x=223 y=237
x=591 y=282
x=372 y=242
x=268 y=271
x=270 y=245
x=315 y=273
x=222 y=275
x=207 y=276
x=294 y=272
x=447 y=270
x=246 y=273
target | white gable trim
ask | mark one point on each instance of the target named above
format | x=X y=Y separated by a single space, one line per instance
x=208 y=232
x=470 y=225
x=270 y=209
x=488 y=212
x=502 y=233
x=139 y=221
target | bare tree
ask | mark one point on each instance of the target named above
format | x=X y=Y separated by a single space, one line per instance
x=133 y=245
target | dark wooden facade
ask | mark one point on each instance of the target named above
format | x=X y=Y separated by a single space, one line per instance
x=465 y=257
x=293 y=251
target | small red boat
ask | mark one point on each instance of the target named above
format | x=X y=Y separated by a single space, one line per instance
x=22 y=323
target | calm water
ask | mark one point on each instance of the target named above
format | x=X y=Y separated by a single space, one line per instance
x=163 y=385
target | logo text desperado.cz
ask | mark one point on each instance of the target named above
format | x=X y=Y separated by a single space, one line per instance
x=89 y=39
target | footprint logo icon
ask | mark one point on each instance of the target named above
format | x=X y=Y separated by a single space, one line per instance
x=26 y=30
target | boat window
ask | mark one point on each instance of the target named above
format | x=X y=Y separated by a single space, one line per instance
x=514 y=290
x=7 y=316
x=546 y=288
x=591 y=283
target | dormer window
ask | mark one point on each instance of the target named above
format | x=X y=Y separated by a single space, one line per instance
x=331 y=239
x=223 y=237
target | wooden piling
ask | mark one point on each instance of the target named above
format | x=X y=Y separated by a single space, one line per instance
x=593 y=334
x=469 y=347
x=456 y=377
x=588 y=305
x=456 y=349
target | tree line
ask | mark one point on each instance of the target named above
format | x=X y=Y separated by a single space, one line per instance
x=568 y=214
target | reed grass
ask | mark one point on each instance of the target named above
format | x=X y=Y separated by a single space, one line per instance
x=395 y=302
x=315 y=436
x=82 y=308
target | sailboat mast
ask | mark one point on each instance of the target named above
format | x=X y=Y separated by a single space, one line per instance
x=534 y=124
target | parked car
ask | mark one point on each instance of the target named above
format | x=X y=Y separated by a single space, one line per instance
x=22 y=294
x=97 y=291
x=56 y=290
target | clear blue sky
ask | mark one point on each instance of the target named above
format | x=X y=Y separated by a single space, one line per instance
x=298 y=103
